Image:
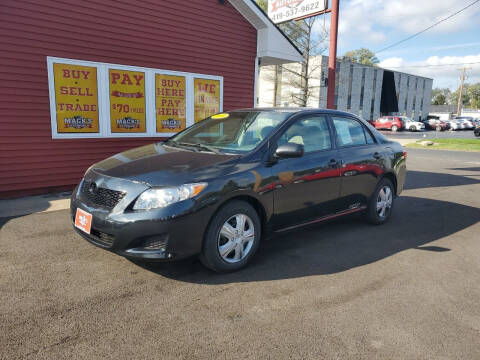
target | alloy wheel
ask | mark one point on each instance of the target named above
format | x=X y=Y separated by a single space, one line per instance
x=236 y=238
x=384 y=201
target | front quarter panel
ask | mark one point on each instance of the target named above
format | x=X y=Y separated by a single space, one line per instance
x=397 y=164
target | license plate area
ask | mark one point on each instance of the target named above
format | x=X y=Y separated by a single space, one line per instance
x=83 y=220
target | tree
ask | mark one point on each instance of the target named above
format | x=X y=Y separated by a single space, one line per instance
x=362 y=56
x=296 y=78
x=440 y=96
x=263 y=4
x=453 y=98
x=474 y=94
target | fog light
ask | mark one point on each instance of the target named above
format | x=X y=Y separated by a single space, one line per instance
x=158 y=243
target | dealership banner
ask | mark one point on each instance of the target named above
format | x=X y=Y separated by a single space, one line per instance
x=170 y=103
x=99 y=100
x=207 y=98
x=127 y=101
x=76 y=99
x=285 y=10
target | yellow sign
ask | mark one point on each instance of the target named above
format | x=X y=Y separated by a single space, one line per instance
x=76 y=98
x=220 y=116
x=170 y=103
x=207 y=98
x=127 y=101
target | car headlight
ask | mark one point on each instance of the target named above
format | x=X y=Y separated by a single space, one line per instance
x=160 y=197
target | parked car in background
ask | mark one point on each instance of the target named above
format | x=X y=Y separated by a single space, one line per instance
x=412 y=125
x=393 y=123
x=218 y=187
x=465 y=122
x=436 y=124
x=455 y=125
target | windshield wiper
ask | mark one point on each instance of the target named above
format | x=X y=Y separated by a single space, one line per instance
x=207 y=147
x=195 y=147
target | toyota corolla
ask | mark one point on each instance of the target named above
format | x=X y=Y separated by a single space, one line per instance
x=222 y=185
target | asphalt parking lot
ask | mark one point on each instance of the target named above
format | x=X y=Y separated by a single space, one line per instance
x=345 y=290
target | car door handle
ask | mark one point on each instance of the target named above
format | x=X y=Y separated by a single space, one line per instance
x=377 y=155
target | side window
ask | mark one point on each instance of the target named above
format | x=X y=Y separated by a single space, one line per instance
x=311 y=132
x=369 y=136
x=349 y=132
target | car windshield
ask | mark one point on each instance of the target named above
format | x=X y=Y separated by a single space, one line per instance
x=234 y=132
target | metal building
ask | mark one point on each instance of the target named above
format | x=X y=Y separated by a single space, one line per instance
x=367 y=91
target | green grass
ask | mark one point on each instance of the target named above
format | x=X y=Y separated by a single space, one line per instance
x=449 y=144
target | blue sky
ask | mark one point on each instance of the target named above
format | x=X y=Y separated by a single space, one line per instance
x=375 y=24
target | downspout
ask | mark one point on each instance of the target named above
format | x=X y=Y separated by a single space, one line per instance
x=255 y=85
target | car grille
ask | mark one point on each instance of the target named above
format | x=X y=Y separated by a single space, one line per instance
x=103 y=197
x=102 y=238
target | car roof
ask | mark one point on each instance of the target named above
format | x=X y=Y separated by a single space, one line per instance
x=296 y=110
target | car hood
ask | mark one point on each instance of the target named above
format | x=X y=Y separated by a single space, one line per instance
x=159 y=165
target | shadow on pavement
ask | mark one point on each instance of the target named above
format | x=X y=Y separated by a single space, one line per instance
x=467 y=169
x=340 y=245
x=421 y=179
x=15 y=208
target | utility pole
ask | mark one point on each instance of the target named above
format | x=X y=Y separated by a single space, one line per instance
x=332 y=56
x=460 y=97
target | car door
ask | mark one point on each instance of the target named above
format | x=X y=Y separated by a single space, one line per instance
x=307 y=187
x=384 y=123
x=362 y=161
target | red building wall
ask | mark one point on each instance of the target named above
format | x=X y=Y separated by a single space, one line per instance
x=194 y=36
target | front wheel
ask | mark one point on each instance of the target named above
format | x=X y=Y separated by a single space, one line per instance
x=438 y=128
x=394 y=128
x=380 y=205
x=413 y=128
x=232 y=238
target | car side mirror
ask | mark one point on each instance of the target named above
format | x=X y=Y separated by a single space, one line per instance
x=289 y=150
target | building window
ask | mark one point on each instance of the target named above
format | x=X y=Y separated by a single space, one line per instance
x=337 y=77
x=408 y=91
x=350 y=80
x=362 y=89
x=398 y=85
x=100 y=100
x=372 y=106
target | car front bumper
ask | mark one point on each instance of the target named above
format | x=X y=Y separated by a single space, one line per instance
x=173 y=232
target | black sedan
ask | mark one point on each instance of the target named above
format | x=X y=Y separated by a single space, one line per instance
x=217 y=188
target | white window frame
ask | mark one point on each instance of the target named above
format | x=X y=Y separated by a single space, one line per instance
x=104 y=98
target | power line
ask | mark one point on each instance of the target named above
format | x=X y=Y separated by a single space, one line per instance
x=429 y=65
x=428 y=28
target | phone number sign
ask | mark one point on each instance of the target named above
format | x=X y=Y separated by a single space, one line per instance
x=285 y=10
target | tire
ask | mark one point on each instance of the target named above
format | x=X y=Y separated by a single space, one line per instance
x=394 y=128
x=242 y=248
x=438 y=128
x=413 y=128
x=372 y=214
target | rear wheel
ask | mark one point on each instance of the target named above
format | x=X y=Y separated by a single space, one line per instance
x=232 y=238
x=394 y=128
x=380 y=205
x=438 y=128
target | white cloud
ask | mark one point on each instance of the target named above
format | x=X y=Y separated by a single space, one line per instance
x=368 y=20
x=443 y=76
